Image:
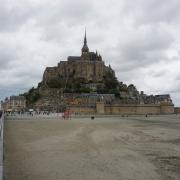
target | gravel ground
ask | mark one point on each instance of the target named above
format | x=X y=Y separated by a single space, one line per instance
x=112 y=148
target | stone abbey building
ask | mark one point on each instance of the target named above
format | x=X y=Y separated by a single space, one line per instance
x=88 y=66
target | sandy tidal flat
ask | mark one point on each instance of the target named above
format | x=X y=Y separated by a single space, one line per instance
x=129 y=148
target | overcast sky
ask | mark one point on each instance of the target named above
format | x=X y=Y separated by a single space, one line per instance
x=139 y=38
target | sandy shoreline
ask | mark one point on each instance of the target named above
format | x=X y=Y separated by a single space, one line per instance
x=115 y=148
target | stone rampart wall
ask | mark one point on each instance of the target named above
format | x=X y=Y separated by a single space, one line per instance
x=140 y=109
x=101 y=108
x=82 y=110
x=132 y=109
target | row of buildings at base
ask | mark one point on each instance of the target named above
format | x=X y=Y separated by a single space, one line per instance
x=97 y=104
x=14 y=103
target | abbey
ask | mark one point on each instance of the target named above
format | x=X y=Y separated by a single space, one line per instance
x=88 y=66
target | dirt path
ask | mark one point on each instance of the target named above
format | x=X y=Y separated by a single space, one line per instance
x=102 y=149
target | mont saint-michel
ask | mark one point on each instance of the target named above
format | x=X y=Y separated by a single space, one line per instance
x=85 y=84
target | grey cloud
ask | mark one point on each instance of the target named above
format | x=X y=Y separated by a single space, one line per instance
x=5 y=58
x=11 y=90
x=7 y=54
x=79 y=10
x=63 y=11
x=178 y=78
x=62 y=18
x=158 y=74
x=144 y=47
x=14 y=15
x=154 y=11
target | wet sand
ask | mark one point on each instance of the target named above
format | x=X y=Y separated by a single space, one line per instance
x=112 y=148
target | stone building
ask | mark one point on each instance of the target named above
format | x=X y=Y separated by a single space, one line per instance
x=155 y=99
x=89 y=66
x=14 y=103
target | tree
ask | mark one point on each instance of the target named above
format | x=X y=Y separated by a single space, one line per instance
x=32 y=96
x=123 y=87
x=55 y=83
x=110 y=80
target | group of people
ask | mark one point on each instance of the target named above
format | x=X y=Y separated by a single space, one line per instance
x=64 y=115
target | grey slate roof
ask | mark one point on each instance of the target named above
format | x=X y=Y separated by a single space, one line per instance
x=73 y=58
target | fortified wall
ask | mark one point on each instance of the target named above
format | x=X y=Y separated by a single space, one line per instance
x=133 y=109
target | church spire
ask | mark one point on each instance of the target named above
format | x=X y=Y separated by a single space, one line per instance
x=85 y=39
x=85 y=48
